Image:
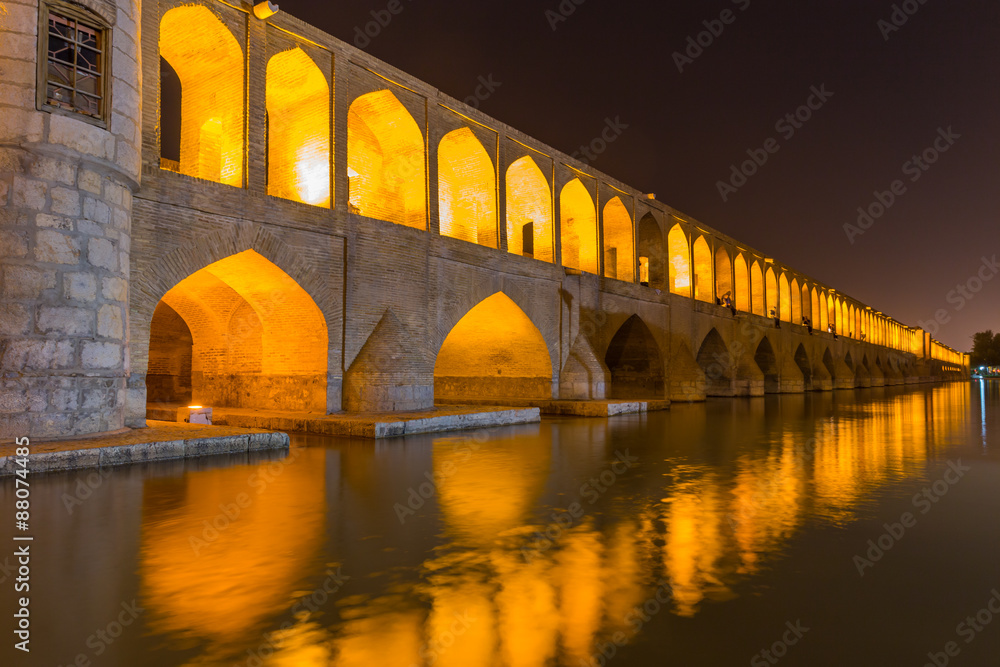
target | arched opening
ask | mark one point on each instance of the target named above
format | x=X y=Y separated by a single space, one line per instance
x=619 y=257
x=467 y=189
x=802 y=361
x=807 y=304
x=680 y=264
x=494 y=351
x=578 y=227
x=757 y=290
x=838 y=316
x=771 y=293
x=741 y=286
x=168 y=376
x=784 y=299
x=257 y=340
x=703 y=271
x=298 y=129
x=866 y=364
x=824 y=319
x=635 y=363
x=385 y=161
x=834 y=313
x=208 y=62
x=849 y=361
x=828 y=362
x=170 y=117
x=795 y=294
x=715 y=361
x=529 y=211
x=768 y=364
x=652 y=270
x=723 y=274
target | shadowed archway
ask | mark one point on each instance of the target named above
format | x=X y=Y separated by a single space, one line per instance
x=768 y=364
x=802 y=361
x=635 y=362
x=715 y=361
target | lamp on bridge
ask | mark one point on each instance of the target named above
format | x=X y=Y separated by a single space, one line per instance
x=265 y=10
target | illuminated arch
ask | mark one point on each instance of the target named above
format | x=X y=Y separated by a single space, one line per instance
x=529 y=211
x=757 y=290
x=298 y=129
x=723 y=273
x=494 y=351
x=258 y=340
x=703 y=271
x=817 y=311
x=771 y=291
x=467 y=189
x=741 y=287
x=385 y=161
x=209 y=63
x=578 y=227
x=831 y=310
x=807 y=309
x=651 y=259
x=680 y=263
x=838 y=316
x=619 y=257
x=784 y=298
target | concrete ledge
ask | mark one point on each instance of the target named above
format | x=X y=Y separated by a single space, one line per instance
x=159 y=441
x=580 y=408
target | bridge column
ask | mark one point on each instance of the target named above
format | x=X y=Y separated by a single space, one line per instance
x=821 y=378
x=876 y=376
x=862 y=377
x=685 y=380
x=791 y=380
x=583 y=376
x=843 y=376
x=749 y=380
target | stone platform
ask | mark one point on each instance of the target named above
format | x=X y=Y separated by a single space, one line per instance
x=591 y=408
x=367 y=424
x=158 y=441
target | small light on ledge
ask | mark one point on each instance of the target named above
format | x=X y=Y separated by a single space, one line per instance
x=194 y=407
x=651 y=195
x=265 y=10
x=351 y=173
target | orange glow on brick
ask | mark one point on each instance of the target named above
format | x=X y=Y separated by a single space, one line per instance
x=680 y=264
x=703 y=283
x=578 y=227
x=529 y=201
x=467 y=190
x=619 y=252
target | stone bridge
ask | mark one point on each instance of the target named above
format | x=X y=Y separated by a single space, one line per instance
x=265 y=217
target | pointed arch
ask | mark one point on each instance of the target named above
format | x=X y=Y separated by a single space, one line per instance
x=802 y=361
x=723 y=273
x=824 y=312
x=680 y=263
x=716 y=361
x=494 y=351
x=385 y=161
x=829 y=363
x=741 y=284
x=817 y=311
x=652 y=266
x=703 y=285
x=619 y=253
x=807 y=307
x=258 y=340
x=208 y=61
x=298 y=129
x=467 y=189
x=771 y=292
x=757 y=290
x=635 y=362
x=838 y=317
x=795 y=312
x=834 y=312
x=529 y=211
x=766 y=360
x=578 y=227
x=784 y=298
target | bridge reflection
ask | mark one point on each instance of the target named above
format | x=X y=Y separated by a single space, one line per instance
x=495 y=566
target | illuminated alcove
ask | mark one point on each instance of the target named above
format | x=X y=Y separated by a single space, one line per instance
x=298 y=129
x=494 y=351
x=824 y=312
x=784 y=299
x=208 y=61
x=467 y=189
x=578 y=227
x=837 y=317
x=680 y=263
x=807 y=308
x=385 y=161
x=257 y=339
x=634 y=359
x=702 y=256
x=619 y=257
x=741 y=289
x=757 y=290
x=529 y=211
x=795 y=308
x=723 y=274
x=815 y=313
x=771 y=292
x=652 y=269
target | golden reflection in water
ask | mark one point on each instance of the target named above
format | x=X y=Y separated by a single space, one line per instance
x=527 y=620
x=579 y=579
x=385 y=638
x=219 y=582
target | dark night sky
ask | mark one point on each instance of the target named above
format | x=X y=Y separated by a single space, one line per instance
x=614 y=59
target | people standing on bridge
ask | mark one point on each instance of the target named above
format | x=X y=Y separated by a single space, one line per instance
x=807 y=323
x=830 y=329
x=777 y=321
